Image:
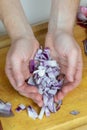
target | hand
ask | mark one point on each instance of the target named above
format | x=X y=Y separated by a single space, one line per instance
x=17 y=67
x=67 y=52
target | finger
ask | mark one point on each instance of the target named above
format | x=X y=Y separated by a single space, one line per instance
x=28 y=89
x=17 y=72
x=31 y=92
x=8 y=71
x=78 y=76
x=68 y=87
x=59 y=96
x=25 y=70
x=63 y=68
x=9 y=74
x=72 y=62
x=71 y=85
x=37 y=98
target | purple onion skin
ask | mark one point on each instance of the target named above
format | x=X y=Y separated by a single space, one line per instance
x=31 y=66
x=58 y=108
x=18 y=109
x=29 y=107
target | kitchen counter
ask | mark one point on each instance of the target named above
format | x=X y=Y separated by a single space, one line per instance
x=61 y=120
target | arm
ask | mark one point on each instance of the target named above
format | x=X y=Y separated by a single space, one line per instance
x=23 y=47
x=14 y=19
x=62 y=43
x=63 y=15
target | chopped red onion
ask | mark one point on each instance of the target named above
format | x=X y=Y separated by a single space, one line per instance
x=58 y=105
x=5 y=109
x=20 y=107
x=84 y=10
x=52 y=91
x=45 y=99
x=82 y=16
x=41 y=113
x=8 y=106
x=74 y=112
x=32 y=113
x=51 y=105
x=31 y=81
x=2 y=105
x=46 y=76
x=47 y=112
x=58 y=108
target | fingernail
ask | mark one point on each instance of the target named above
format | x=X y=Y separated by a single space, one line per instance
x=40 y=104
x=71 y=78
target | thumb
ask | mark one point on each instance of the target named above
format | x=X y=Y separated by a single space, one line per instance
x=72 y=62
x=17 y=73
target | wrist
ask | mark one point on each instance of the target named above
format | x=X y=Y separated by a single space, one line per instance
x=58 y=31
x=63 y=16
x=27 y=37
x=16 y=29
x=54 y=27
x=14 y=19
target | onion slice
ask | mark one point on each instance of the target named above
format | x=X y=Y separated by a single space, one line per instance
x=32 y=113
x=5 y=109
x=20 y=107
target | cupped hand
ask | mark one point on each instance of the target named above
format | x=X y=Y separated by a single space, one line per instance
x=67 y=52
x=17 y=67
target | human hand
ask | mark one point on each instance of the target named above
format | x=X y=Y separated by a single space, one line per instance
x=67 y=52
x=17 y=67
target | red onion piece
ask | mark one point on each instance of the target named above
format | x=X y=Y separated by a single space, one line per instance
x=83 y=10
x=46 y=76
x=32 y=113
x=47 y=112
x=5 y=109
x=74 y=112
x=31 y=82
x=20 y=107
x=31 y=66
x=41 y=113
x=8 y=106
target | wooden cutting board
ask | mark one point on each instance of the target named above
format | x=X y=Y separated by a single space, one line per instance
x=62 y=120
